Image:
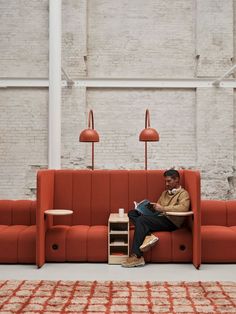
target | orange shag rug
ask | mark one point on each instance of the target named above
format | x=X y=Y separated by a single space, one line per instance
x=118 y=297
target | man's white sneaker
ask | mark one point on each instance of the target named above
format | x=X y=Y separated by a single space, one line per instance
x=148 y=242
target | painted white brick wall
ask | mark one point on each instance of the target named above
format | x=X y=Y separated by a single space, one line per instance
x=214 y=36
x=232 y=178
x=141 y=38
x=108 y=38
x=74 y=37
x=74 y=153
x=24 y=38
x=23 y=140
x=215 y=137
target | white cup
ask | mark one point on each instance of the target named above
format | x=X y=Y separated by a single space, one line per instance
x=121 y=212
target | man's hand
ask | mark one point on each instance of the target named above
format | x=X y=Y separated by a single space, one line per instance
x=158 y=207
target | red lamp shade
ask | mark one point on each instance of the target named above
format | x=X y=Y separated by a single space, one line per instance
x=148 y=134
x=89 y=135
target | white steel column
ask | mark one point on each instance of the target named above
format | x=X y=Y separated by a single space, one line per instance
x=54 y=120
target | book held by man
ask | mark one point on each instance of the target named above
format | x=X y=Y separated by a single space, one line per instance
x=145 y=207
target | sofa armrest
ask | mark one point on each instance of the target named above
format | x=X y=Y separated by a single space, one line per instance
x=45 y=197
x=192 y=185
x=189 y=213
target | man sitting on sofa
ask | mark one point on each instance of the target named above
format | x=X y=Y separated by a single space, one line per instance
x=173 y=199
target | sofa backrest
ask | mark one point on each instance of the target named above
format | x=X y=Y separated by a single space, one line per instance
x=17 y=212
x=218 y=212
x=93 y=195
x=231 y=212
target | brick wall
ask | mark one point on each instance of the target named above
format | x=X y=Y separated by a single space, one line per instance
x=23 y=140
x=141 y=39
x=24 y=38
x=125 y=38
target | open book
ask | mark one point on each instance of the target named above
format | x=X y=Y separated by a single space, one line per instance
x=145 y=208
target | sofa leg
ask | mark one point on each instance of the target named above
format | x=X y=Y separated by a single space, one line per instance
x=197 y=267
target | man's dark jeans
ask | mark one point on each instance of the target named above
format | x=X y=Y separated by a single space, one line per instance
x=144 y=225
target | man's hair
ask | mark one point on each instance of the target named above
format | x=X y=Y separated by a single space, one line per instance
x=172 y=173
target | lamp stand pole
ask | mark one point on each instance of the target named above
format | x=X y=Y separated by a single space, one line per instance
x=145 y=155
x=92 y=156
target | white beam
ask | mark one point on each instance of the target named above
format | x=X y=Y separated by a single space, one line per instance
x=120 y=83
x=23 y=82
x=54 y=125
x=150 y=83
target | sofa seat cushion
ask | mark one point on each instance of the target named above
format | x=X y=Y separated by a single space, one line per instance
x=79 y=243
x=173 y=246
x=182 y=245
x=233 y=228
x=161 y=251
x=17 y=244
x=27 y=245
x=2 y=227
x=76 y=243
x=98 y=244
x=218 y=244
x=55 y=243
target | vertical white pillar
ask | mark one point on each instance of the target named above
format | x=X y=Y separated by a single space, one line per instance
x=54 y=120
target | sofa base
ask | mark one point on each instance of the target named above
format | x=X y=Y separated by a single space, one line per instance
x=83 y=243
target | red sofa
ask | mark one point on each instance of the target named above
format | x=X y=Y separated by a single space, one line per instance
x=84 y=237
x=218 y=231
x=17 y=231
x=93 y=195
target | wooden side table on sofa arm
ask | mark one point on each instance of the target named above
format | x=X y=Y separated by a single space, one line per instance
x=49 y=213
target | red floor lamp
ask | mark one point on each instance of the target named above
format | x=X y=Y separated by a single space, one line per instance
x=90 y=135
x=148 y=135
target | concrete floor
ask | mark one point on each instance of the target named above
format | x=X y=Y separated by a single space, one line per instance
x=94 y=271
